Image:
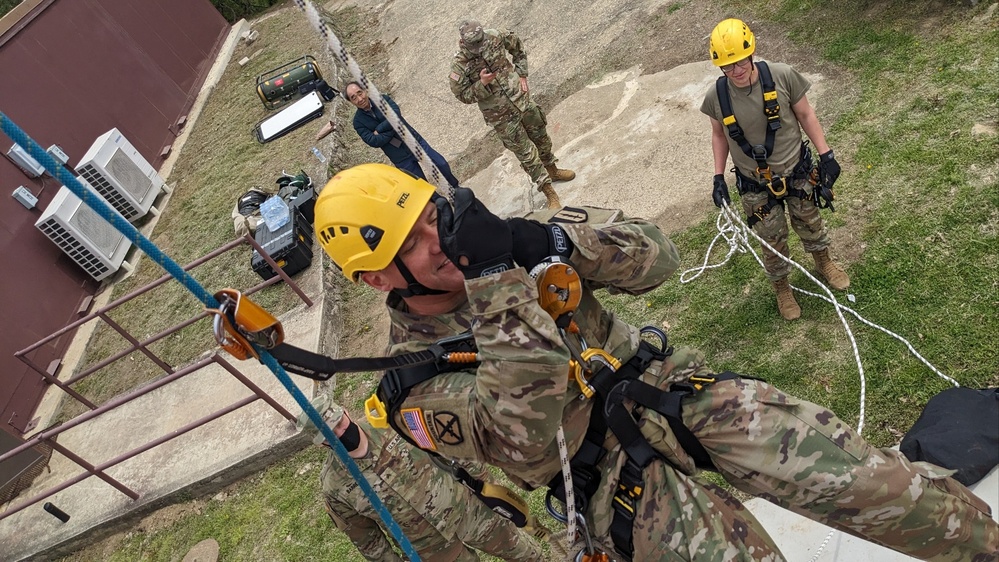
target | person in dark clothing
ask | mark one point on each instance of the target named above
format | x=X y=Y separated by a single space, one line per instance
x=376 y=131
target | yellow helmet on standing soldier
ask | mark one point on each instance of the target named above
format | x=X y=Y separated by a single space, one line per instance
x=731 y=41
x=365 y=213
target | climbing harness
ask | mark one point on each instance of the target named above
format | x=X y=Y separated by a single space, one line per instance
x=771 y=109
x=777 y=187
x=805 y=169
x=610 y=382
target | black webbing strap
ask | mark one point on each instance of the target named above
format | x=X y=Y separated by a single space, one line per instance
x=585 y=476
x=320 y=367
x=640 y=453
x=394 y=387
x=771 y=109
x=764 y=210
x=496 y=504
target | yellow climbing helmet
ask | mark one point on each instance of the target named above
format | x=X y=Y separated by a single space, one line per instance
x=731 y=41
x=364 y=214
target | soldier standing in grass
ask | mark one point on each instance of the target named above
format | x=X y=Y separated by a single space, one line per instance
x=482 y=73
x=440 y=517
x=757 y=112
x=656 y=415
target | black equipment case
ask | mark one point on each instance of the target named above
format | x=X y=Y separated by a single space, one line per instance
x=290 y=246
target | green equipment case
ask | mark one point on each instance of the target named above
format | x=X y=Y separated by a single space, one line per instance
x=280 y=85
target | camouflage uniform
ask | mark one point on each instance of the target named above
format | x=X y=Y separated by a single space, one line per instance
x=438 y=514
x=764 y=442
x=747 y=106
x=517 y=120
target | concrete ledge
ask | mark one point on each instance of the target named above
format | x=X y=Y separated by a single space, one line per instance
x=205 y=486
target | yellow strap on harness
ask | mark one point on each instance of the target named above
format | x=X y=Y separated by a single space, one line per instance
x=374 y=410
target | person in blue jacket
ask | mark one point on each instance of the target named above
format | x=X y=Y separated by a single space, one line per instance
x=376 y=131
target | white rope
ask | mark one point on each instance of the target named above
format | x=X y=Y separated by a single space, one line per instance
x=340 y=52
x=570 y=496
x=734 y=231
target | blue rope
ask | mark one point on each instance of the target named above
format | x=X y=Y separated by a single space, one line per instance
x=98 y=204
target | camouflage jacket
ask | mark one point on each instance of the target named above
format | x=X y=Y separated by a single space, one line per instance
x=426 y=502
x=502 y=100
x=507 y=411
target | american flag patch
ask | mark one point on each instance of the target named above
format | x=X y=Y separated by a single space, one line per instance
x=454 y=76
x=413 y=418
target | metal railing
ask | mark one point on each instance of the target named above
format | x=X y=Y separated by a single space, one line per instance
x=48 y=437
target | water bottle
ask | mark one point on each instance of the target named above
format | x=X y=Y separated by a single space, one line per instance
x=275 y=213
x=318 y=154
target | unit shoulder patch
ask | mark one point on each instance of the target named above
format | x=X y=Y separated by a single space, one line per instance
x=447 y=426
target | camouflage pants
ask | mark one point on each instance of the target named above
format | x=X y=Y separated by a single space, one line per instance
x=802 y=457
x=481 y=528
x=805 y=220
x=526 y=137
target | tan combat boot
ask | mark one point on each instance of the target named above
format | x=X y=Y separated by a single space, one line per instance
x=834 y=275
x=559 y=175
x=549 y=191
x=786 y=304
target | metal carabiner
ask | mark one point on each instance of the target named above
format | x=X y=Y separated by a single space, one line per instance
x=550 y=508
x=659 y=334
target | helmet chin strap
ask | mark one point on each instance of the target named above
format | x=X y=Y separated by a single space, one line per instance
x=413 y=287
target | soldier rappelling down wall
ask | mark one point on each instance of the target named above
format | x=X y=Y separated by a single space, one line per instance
x=482 y=73
x=640 y=418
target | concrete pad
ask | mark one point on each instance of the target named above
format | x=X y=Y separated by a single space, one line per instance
x=636 y=142
x=800 y=538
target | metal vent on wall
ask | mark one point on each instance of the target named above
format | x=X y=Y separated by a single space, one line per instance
x=99 y=231
x=128 y=174
x=74 y=249
x=108 y=191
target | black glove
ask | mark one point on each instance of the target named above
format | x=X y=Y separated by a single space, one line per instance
x=471 y=233
x=720 y=192
x=534 y=241
x=828 y=169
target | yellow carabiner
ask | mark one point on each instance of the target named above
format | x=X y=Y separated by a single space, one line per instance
x=374 y=410
x=591 y=354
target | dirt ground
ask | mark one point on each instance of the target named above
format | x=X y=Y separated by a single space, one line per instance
x=620 y=80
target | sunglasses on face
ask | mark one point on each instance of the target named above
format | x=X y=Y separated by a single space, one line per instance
x=741 y=64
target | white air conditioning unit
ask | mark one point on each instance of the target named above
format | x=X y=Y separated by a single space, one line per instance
x=83 y=234
x=121 y=175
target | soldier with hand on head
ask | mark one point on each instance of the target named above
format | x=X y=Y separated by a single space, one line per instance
x=758 y=111
x=442 y=519
x=640 y=419
x=482 y=73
